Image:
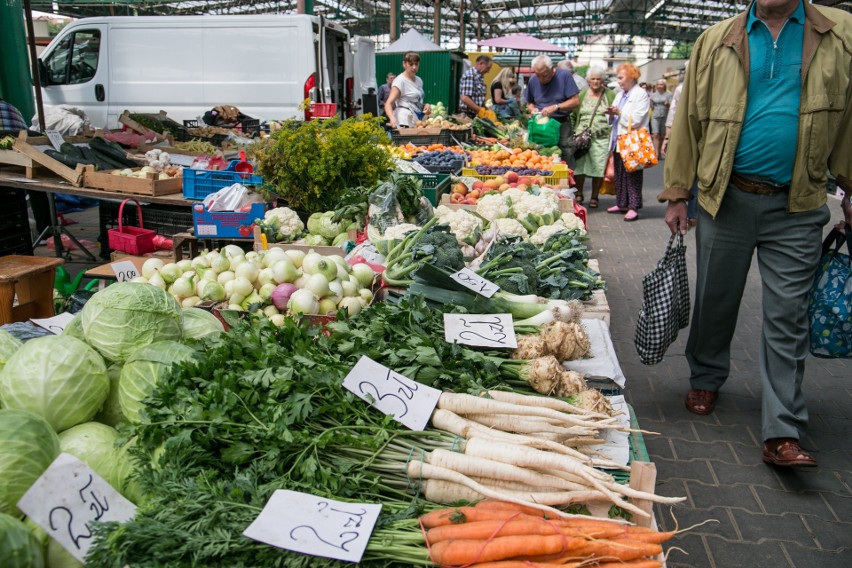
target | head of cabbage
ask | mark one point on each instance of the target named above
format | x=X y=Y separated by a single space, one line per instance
x=141 y=373
x=28 y=445
x=111 y=413
x=93 y=443
x=198 y=323
x=75 y=328
x=19 y=548
x=9 y=344
x=56 y=377
x=128 y=315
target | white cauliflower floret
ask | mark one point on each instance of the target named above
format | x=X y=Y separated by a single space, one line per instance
x=285 y=221
x=549 y=195
x=492 y=206
x=463 y=224
x=571 y=221
x=545 y=232
x=515 y=194
x=398 y=231
x=511 y=227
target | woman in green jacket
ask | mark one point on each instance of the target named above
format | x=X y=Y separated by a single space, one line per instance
x=593 y=101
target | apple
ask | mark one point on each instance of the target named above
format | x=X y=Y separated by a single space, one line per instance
x=525 y=181
x=459 y=188
x=478 y=185
x=512 y=177
x=503 y=187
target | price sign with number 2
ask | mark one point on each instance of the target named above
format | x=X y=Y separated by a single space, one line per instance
x=125 y=270
x=409 y=402
x=313 y=525
x=482 y=330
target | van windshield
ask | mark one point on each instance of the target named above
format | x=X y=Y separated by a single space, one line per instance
x=75 y=59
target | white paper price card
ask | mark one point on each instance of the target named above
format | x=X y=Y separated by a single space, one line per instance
x=181 y=160
x=55 y=138
x=481 y=330
x=56 y=324
x=314 y=525
x=67 y=498
x=473 y=281
x=409 y=402
x=124 y=270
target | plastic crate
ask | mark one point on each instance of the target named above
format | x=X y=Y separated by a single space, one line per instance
x=455 y=168
x=250 y=126
x=165 y=220
x=198 y=184
x=556 y=179
x=459 y=135
x=323 y=110
x=434 y=186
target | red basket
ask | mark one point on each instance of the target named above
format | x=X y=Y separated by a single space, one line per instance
x=323 y=110
x=132 y=240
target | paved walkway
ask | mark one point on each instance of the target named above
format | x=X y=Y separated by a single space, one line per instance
x=766 y=517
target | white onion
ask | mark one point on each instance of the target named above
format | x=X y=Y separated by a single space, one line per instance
x=200 y=262
x=220 y=263
x=236 y=261
x=284 y=270
x=170 y=272
x=157 y=280
x=185 y=264
x=265 y=276
x=252 y=256
x=364 y=274
x=182 y=288
x=242 y=286
x=296 y=255
x=278 y=319
x=303 y=301
x=266 y=290
x=190 y=302
x=327 y=306
x=351 y=305
x=270 y=311
x=349 y=288
x=366 y=295
x=224 y=277
x=233 y=250
x=213 y=291
x=318 y=285
x=247 y=270
x=310 y=262
x=150 y=266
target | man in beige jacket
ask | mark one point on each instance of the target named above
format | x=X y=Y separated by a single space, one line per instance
x=765 y=113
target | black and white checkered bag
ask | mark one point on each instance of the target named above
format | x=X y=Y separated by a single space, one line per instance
x=665 y=304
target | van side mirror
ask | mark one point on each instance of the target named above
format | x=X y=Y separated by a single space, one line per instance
x=42 y=74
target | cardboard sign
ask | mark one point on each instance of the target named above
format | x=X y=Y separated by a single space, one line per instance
x=473 y=281
x=67 y=498
x=56 y=324
x=124 y=270
x=409 y=402
x=313 y=525
x=55 y=138
x=480 y=330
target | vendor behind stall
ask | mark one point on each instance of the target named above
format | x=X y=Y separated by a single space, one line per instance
x=553 y=93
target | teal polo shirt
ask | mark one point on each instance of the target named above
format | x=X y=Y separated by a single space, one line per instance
x=767 y=145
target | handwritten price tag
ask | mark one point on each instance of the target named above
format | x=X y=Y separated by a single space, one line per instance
x=481 y=330
x=67 y=498
x=55 y=138
x=473 y=281
x=56 y=324
x=125 y=270
x=409 y=402
x=316 y=526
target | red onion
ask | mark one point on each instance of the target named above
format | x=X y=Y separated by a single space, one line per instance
x=281 y=295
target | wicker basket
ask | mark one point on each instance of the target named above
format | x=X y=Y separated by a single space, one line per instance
x=132 y=240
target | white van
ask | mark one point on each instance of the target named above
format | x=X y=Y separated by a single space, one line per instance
x=264 y=65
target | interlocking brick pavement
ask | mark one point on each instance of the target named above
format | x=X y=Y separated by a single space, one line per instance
x=765 y=516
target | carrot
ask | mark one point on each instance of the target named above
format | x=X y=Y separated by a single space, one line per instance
x=641 y=563
x=484 y=530
x=467 y=551
x=461 y=515
x=652 y=536
x=496 y=505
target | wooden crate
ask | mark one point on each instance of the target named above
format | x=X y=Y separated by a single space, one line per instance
x=27 y=147
x=149 y=185
x=565 y=205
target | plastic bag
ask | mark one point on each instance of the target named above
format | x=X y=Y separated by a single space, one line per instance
x=384 y=210
x=544 y=131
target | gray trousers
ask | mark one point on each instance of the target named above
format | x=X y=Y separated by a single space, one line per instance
x=788 y=248
x=566 y=143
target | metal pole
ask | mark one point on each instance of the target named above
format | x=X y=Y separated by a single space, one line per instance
x=461 y=26
x=436 y=32
x=28 y=15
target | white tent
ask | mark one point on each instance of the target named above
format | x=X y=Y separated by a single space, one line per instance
x=412 y=40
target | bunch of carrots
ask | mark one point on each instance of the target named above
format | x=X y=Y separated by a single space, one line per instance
x=497 y=534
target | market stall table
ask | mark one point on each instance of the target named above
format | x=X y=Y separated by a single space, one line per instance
x=31 y=279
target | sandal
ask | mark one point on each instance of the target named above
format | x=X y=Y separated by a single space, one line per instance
x=615 y=209
x=593 y=203
x=578 y=197
x=701 y=401
x=786 y=452
x=631 y=215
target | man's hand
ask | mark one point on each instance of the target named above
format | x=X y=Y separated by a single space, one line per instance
x=663 y=147
x=676 y=217
x=845 y=184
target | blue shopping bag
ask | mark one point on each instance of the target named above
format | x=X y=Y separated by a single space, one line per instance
x=830 y=304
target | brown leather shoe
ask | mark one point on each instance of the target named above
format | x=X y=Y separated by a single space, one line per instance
x=786 y=452
x=701 y=401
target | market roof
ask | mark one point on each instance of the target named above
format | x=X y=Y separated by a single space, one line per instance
x=564 y=23
x=412 y=40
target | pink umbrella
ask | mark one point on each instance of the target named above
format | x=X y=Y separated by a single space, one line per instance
x=521 y=43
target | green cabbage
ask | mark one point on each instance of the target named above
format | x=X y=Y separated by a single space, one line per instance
x=19 y=548
x=111 y=413
x=56 y=377
x=75 y=328
x=315 y=241
x=321 y=224
x=93 y=443
x=128 y=315
x=125 y=482
x=143 y=370
x=9 y=344
x=28 y=445
x=198 y=323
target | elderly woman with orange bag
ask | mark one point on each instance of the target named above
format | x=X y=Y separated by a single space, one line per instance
x=630 y=110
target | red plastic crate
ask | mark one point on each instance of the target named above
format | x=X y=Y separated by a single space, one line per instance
x=323 y=110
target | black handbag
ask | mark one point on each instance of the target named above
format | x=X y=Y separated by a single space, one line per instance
x=583 y=140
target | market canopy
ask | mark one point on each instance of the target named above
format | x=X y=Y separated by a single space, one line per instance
x=521 y=42
x=412 y=40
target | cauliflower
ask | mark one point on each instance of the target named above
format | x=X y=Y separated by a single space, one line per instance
x=398 y=231
x=511 y=227
x=466 y=227
x=545 y=232
x=492 y=206
x=515 y=194
x=283 y=223
x=571 y=221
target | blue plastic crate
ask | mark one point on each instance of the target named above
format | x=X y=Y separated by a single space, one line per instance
x=198 y=184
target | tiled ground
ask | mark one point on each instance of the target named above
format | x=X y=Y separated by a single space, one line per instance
x=763 y=516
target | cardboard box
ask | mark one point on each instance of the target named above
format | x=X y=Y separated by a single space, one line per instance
x=225 y=224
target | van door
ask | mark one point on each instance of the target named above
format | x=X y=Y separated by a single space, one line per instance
x=335 y=47
x=76 y=72
x=363 y=73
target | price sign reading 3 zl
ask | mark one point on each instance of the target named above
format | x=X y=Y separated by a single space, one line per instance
x=68 y=498
x=473 y=281
x=409 y=402
x=481 y=330
x=125 y=270
x=313 y=525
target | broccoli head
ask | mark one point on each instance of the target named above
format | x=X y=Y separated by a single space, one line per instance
x=441 y=249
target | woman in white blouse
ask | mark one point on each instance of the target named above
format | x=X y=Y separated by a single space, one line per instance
x=630 y=109
x=407 y=94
